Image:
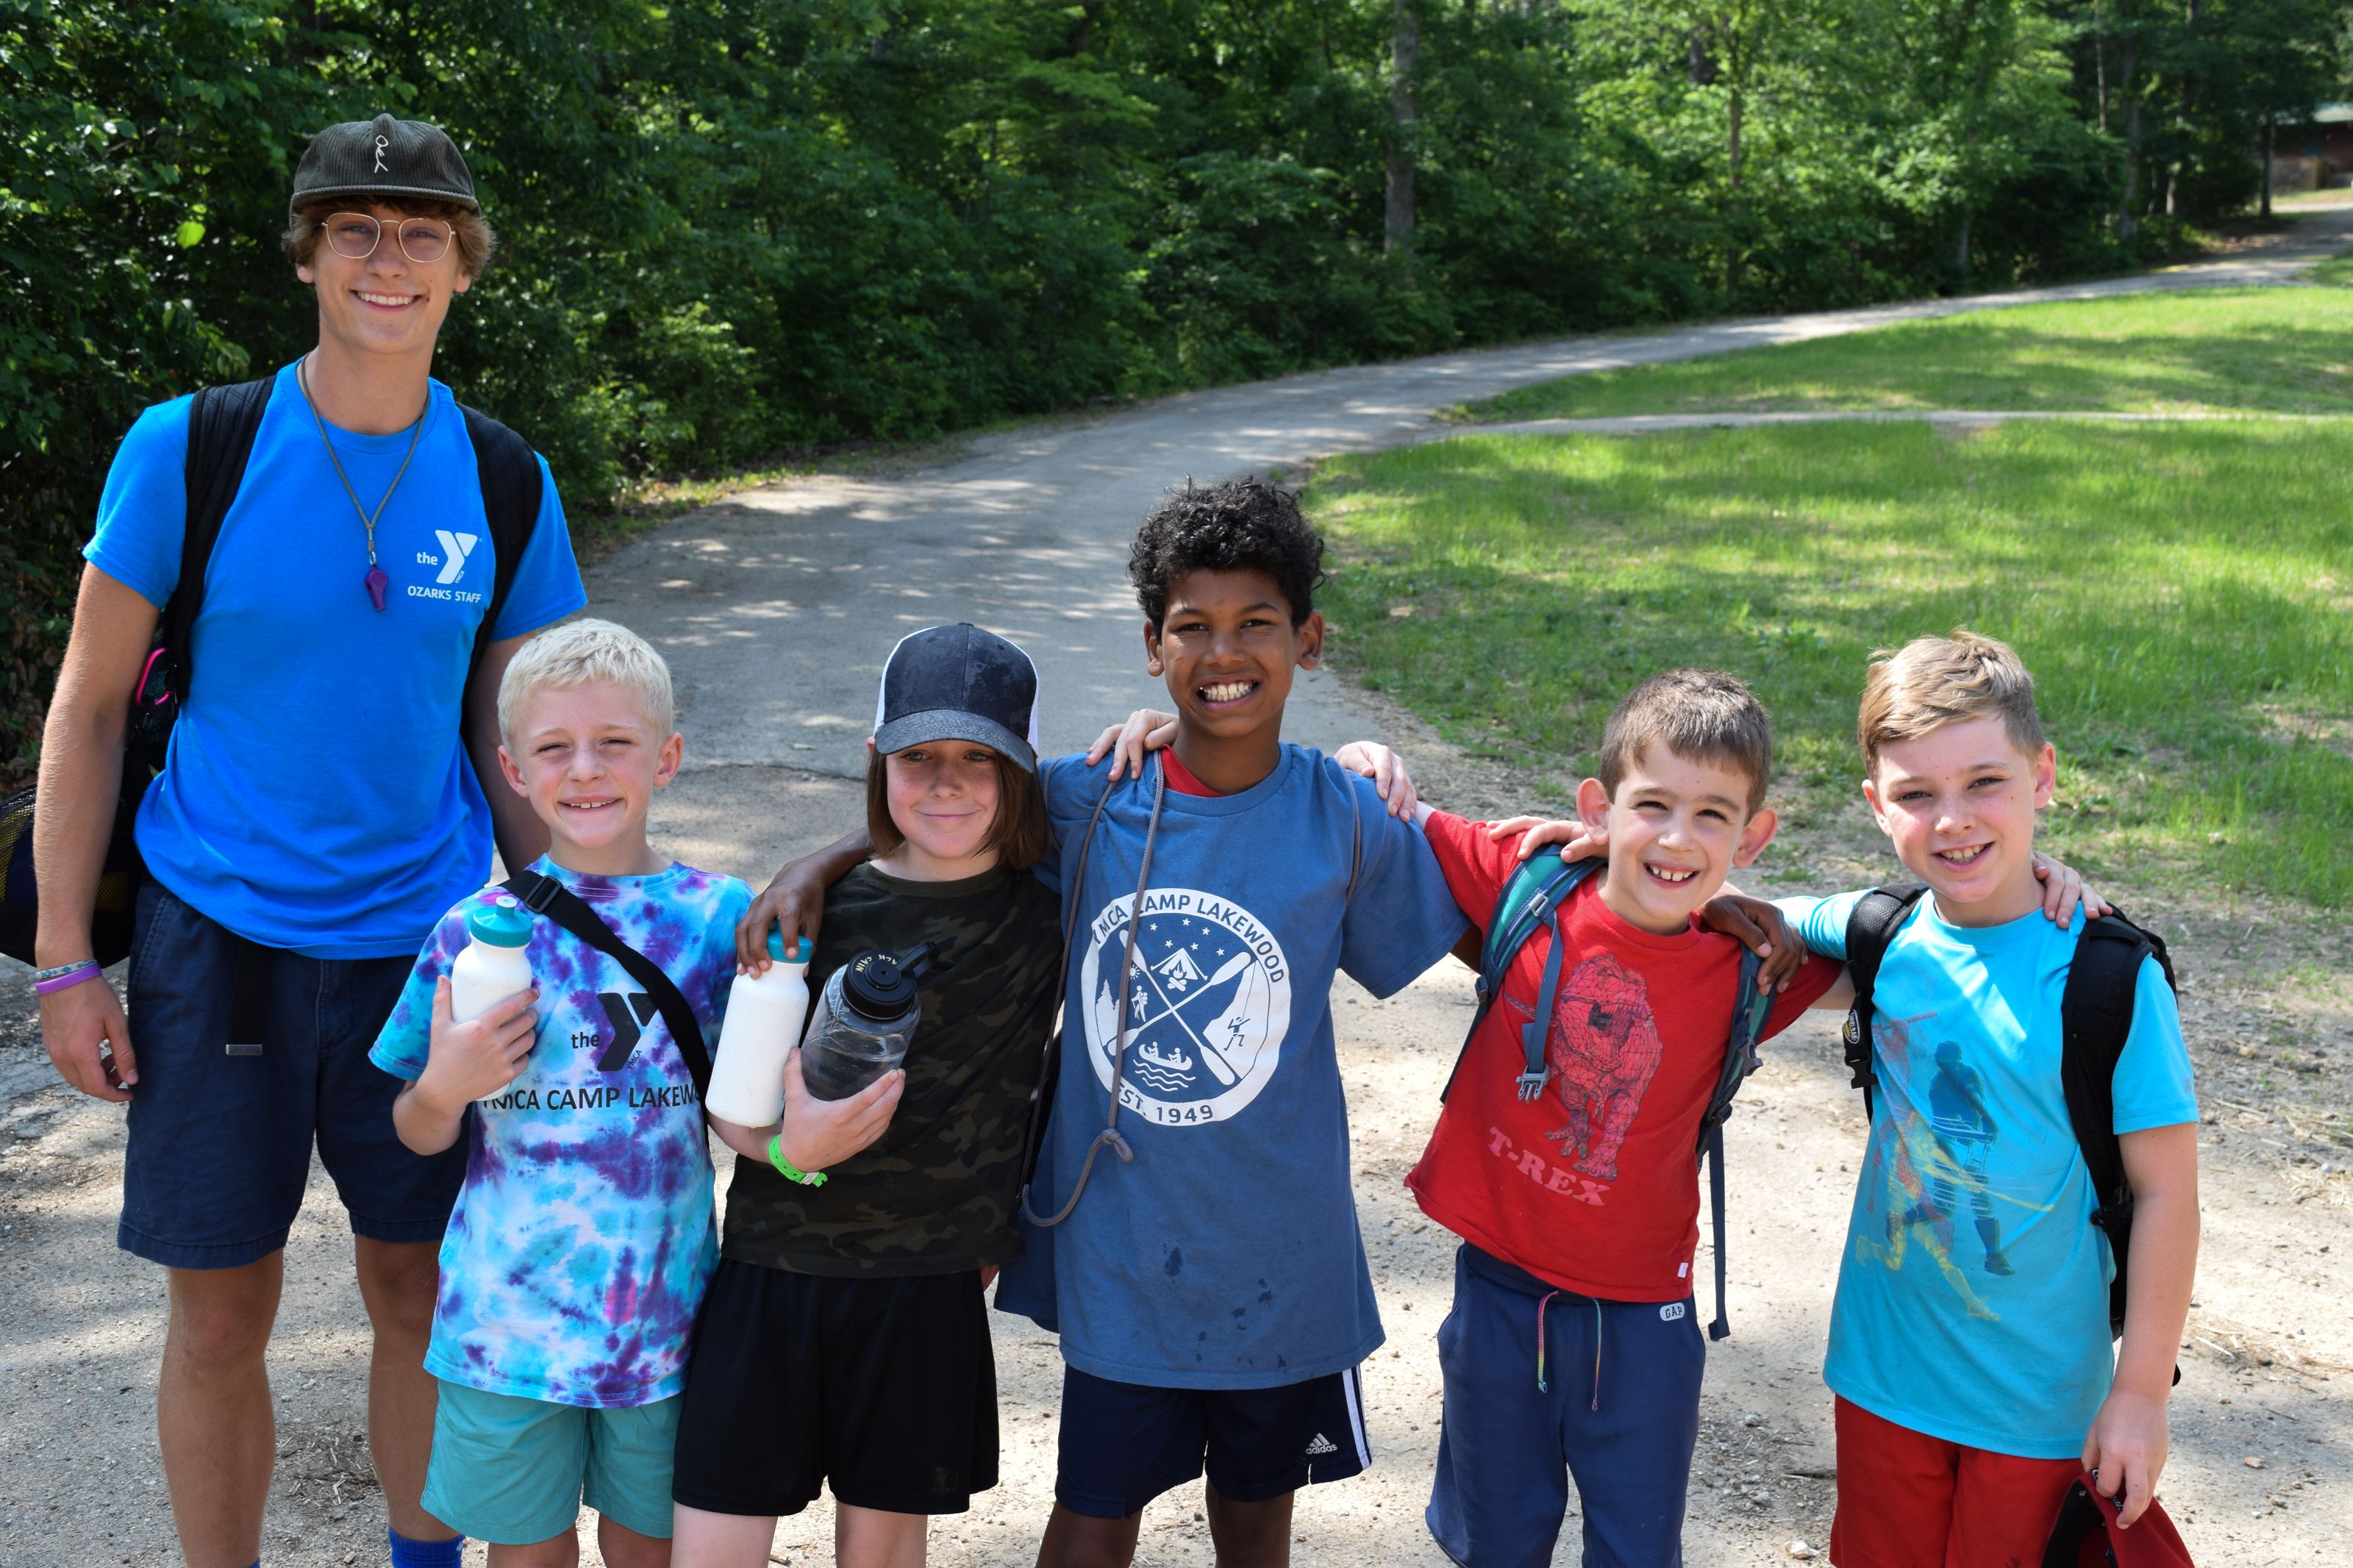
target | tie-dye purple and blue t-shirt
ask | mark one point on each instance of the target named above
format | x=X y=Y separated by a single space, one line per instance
x=583 y=1239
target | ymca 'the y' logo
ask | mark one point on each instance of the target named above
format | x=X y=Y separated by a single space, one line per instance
x=1209 y=1002
x=455 y=548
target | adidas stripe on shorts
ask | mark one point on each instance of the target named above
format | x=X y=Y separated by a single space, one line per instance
x=1124 y=1444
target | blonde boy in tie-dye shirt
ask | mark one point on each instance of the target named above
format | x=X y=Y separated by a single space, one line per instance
x=577 y=1253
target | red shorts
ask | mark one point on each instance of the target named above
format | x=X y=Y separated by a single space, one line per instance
x=1909 y=1500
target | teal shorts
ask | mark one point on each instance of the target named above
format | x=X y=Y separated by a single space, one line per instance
x=515 y=1471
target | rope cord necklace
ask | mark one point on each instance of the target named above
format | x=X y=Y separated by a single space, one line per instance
x=1110 y=1136
x=375 y=581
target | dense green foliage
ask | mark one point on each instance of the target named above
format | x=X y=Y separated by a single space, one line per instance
x=2179 y=590
x=734 y=227
x=2286 y=351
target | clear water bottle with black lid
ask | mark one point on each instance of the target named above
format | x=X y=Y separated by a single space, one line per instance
x=863 y=1021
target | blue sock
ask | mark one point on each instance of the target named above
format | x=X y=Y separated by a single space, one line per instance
x=408 y=1554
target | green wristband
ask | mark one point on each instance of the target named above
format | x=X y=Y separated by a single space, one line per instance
x=789 y=1171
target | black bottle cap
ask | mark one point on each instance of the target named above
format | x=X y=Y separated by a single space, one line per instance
x=881 y=986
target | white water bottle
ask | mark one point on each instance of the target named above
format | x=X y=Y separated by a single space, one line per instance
x=765 y=1013
x=493 y=965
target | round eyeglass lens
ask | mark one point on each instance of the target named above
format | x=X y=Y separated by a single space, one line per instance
x=352 y=234
x=424 y=240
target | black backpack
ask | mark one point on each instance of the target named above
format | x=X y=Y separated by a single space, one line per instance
x=222 y=423
x=2095 y=1014
x=1531 y=899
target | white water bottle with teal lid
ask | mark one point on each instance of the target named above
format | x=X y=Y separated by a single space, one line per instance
x=494 y=963
x=765 y=1013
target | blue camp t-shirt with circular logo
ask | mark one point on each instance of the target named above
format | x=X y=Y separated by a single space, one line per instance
x=1227 y=1253
x=317 y=795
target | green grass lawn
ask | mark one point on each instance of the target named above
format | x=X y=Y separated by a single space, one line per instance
x=2183 y=593
x=2273 y=350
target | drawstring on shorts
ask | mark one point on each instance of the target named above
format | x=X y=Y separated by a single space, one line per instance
x=1542 y=1386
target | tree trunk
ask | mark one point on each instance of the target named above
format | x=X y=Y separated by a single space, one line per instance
x=2267 y=165
x=2128 y=213
x=1405 y=57
x=2182 y=122
x=1732 y=118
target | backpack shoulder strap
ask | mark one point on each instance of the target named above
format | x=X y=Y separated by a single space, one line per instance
x=222 y=423
x=546 y=896
x=1869 y=927
x=2095 y=1012
x=1751 y=1005
x=511 y=487
x=1529 y=899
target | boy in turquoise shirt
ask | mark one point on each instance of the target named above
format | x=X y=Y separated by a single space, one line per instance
x=1969 y=1346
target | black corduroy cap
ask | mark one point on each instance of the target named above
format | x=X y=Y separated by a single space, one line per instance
x=959 y=683
x=384 y=157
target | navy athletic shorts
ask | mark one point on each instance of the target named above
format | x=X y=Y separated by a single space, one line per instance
x=248 y=1056
x=1618 y=1410
x=1124 y=1444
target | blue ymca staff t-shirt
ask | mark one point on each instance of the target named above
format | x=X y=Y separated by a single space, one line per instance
x=317 y=795
x=580 y=1245
x=1226 y=1255
x=1972 y=1298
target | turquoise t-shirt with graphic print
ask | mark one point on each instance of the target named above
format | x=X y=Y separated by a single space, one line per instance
x=1972 y=1297
x=583 y=1239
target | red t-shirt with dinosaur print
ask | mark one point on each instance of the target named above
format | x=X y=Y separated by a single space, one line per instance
x=1593 y=1185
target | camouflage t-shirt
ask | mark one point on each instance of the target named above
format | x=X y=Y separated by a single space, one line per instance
x=937 y=1193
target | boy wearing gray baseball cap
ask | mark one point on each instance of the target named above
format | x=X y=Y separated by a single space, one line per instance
x=356 y=556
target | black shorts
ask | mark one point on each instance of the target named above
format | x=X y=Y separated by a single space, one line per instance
x=1124 y=1444
x=883 y=1390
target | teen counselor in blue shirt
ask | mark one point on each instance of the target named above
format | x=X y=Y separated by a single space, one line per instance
x=1972 y=1298
x=1226 y=1254
x=310 y=800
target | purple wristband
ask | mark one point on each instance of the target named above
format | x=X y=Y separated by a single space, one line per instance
x=48 y=987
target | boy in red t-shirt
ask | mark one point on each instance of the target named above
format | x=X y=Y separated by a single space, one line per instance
x=1573 y=1347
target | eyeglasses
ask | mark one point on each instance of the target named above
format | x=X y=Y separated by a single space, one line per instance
x=355 y=235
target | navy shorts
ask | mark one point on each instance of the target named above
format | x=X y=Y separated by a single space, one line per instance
x=246 y=1055
x=1124 y=1444
x=1618 y=1410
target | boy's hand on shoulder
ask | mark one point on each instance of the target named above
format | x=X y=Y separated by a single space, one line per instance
x=1387 y=772
x=2125 y=1450
x=1576 y=841
x=1148 y=729
x=794 y=899
x=817 y=1133
x=1759 y=927
x=477 y=1058
x=2064 y=888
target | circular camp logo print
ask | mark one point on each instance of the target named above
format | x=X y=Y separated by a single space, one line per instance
x=1208 y=1001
